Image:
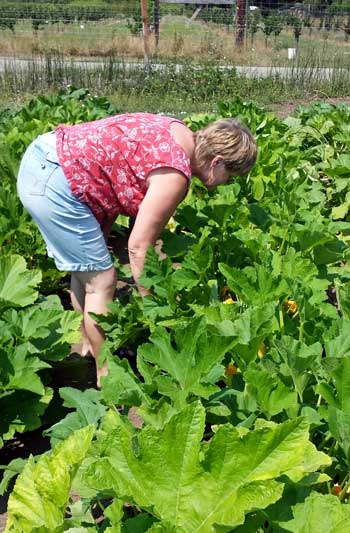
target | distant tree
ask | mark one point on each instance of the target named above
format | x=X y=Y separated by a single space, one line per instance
x=328 y=21
x=254 y=20
x=267 y=27
x=8 y=18
x=272 y=25
x=307 y=21
x=278 y=24
x=346 y=28
x=296 y=23
x=134 y=23
x=38 y=17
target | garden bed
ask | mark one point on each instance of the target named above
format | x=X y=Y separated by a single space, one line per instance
x=243 y=351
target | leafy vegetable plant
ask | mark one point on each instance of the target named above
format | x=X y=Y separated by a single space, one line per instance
x=240 y=380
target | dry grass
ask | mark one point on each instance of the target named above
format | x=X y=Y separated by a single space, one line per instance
x=179 y=40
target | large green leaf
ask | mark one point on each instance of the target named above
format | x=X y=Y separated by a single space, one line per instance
x=156 y=274
x=299 y=360
x=195 y=487
x=269 y=391
x=88 y=410
x=29 y=337
x=11 y=470
x=48 y=328
x=339 y=402
x=254 y=285
x=25 y=368
x=121 y=386
x=40 y=495
x=189 y=218
x=249 y=330
x=320 y=512
x=199 y=258
x=304 y=473
x=175 y=245
x=186 y=359
x=337 y=340
x=17 y=284
x=22 y=411
x=293 y=266
x=141 y=523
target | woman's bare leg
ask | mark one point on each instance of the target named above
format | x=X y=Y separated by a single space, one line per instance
x=99 y=289
x=77 y=296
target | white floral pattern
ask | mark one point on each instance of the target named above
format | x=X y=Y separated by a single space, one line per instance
x=107 y=161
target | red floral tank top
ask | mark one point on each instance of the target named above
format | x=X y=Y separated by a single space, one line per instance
x=107 y=162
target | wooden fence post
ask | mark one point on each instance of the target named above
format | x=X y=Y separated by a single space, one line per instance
x=145 y=32
x=156 y=22
x=241 y=15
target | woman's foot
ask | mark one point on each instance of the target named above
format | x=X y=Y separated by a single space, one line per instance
x=86 y=349
x=100 y=373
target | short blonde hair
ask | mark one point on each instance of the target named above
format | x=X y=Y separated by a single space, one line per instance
x=230 y=139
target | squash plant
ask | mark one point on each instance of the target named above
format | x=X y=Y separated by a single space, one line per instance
x=241 y=372
x=33 y=333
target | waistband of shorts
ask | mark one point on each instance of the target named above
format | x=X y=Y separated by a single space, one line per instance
x=46 y=143
x=48 y=138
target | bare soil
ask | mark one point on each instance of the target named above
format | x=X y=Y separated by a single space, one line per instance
x=287 y=108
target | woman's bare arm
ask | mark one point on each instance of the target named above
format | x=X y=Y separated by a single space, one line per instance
x=166 y=190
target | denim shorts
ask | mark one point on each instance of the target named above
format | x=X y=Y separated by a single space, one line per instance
x=73 y=236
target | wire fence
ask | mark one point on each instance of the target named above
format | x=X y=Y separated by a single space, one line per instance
x=269 y=30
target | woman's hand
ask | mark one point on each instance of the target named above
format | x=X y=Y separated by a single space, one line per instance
x=167 y=188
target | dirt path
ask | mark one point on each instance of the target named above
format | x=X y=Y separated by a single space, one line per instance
x=287 y=108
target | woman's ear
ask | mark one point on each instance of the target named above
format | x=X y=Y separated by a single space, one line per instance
x=217 y=160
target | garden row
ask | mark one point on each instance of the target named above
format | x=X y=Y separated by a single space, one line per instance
x=242 y=373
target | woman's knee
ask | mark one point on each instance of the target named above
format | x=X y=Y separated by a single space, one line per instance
x=103 y=281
